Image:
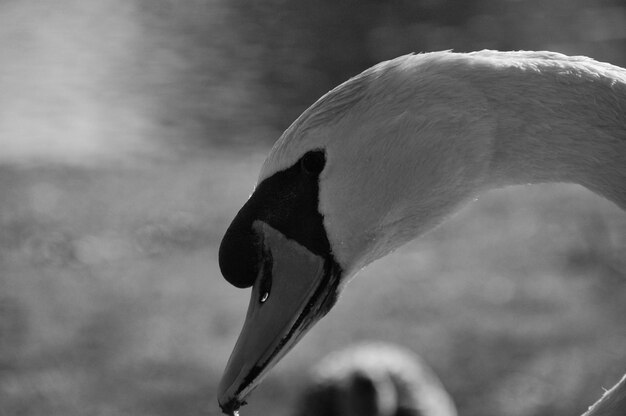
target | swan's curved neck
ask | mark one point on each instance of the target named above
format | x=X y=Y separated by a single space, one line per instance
x=431 y=131
x=561 y=121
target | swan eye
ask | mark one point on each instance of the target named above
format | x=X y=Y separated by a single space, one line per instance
x=313 y=162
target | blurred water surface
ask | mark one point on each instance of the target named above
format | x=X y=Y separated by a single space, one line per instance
x=131 y=132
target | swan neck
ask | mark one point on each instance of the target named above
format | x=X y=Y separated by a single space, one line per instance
x=562 y=122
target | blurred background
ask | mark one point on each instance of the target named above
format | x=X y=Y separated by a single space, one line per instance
x=131 y=131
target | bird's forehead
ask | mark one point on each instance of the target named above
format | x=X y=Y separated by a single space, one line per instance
x=282 y=156
x=288 y=150
x=320 y=125
x=377 y=91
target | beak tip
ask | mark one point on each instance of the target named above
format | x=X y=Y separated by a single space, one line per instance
x=230 y=406
x=228 y=400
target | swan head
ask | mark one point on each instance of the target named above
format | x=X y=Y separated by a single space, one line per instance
x=375 y=162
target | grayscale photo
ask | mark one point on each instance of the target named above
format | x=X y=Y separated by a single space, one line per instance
x=324 y=208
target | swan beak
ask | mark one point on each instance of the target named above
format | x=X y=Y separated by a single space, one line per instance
x=294 y=288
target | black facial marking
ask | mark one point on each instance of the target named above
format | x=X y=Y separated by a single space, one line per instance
x=313 y=162
x=266 y=276
x=287 y=201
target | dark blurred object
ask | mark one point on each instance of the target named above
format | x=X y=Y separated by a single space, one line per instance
x=374 y=379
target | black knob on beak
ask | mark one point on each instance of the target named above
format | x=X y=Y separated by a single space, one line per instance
x=240 y=250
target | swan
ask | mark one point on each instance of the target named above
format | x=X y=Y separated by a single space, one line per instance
x=391 y=153
x=373 y=379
